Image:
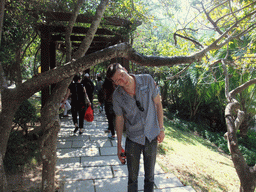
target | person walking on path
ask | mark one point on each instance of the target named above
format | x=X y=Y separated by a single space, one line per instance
x=99 y=84
x=107 y=91
x=78 y=102
x=137 y=105
x=89 y=86
x=99 y=93
x=66 y=106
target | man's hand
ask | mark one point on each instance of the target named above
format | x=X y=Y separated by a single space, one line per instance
x=160 y=137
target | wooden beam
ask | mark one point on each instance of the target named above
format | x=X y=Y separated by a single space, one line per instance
x=87 y=18
x=78 y=30
x=80 y=38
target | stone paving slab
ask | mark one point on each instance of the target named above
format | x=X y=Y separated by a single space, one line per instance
x=111 y=185
x=99 y=161
x=85 y=173
x=65 y=153
x=117 y=184
x=64 y=144
x=79 y=186
x=176 y=189
x=92 y=143
x=68 y=162
x=108 y=151
x=72 y=137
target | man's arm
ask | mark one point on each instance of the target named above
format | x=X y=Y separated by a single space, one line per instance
x=119 y=132
x=160 y=116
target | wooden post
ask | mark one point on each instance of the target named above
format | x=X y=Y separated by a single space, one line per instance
x=45 y=58
x=52 y=51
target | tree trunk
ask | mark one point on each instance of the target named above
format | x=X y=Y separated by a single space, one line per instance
x=51 y=127
x=2 y=5
x=164 y=90
x=9 y=107
x=49 y=158
x=3 y=181
x=244 y=128
x=246 y=174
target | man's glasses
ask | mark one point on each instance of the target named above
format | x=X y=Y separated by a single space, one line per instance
x=139 y=105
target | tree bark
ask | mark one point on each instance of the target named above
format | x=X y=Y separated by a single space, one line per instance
x=3 y=182
x=6 y=117
x=51 y=126
x=2 y=5
x=246 y=174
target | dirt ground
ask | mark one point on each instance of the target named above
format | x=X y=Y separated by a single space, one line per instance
x=25 y=181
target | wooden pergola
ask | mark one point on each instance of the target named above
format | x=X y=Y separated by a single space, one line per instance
x=53 y=38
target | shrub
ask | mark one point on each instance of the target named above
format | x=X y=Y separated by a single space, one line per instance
x=20 y=153
x=26 y=113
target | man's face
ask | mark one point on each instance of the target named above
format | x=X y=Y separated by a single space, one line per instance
x=121 y=77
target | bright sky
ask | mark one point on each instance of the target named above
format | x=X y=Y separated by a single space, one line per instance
x=183 y=16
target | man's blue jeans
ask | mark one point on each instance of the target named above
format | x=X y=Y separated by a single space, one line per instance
x=133 y=151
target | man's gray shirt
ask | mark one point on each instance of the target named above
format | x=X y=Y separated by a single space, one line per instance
x=139 y=124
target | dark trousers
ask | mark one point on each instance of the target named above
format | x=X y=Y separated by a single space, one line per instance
x=111 y=117
x=133 y=151
x=80 y=109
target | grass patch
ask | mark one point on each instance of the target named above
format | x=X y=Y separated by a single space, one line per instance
x=195 y=160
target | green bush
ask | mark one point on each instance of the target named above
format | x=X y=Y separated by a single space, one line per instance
x=20 y=153
x=26 y=113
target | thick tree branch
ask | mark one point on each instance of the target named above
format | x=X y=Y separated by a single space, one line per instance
x=39 y=81
x=70 y=28
x=92 y=30
x=239 y=119
x=242 y=87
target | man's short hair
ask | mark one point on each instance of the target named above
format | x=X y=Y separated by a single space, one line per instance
x=112 y=68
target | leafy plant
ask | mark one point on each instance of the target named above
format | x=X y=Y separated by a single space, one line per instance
x=20 y=153
x=26 y=113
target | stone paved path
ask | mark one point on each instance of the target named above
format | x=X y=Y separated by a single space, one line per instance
x=88 y=162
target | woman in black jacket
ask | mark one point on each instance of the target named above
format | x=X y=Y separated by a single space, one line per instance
x=78 y=105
